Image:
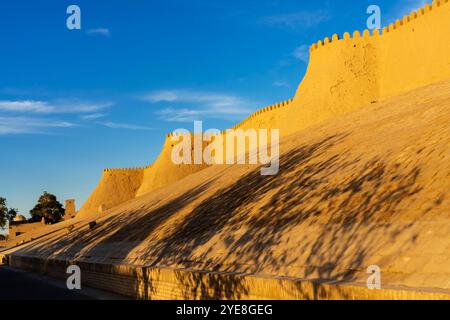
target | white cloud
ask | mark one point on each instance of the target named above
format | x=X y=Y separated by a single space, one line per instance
x=302 y=19
x=117 y=125
x=105 y=32
x=281 y=84
x=166 y=96
x=190 y=115
x=26 y=106
x=111 y=124
x=22 y=125
x=301 y=53
x=208 y=105
x=188 y=96
x=44 y=107
x=93 y=116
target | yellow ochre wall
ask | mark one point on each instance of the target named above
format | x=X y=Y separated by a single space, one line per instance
x=417 y=52
x=344 y=73
x=115 y=187
x=352 y=71
x=163 y=171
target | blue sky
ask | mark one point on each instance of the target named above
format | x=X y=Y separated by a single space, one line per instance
x=75 y=102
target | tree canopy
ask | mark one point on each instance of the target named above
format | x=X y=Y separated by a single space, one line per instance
x=47 y=208
x=6 y=215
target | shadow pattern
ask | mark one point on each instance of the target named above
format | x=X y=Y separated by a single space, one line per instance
x=328 y=191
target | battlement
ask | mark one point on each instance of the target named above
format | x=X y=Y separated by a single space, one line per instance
x=254 y=115
x=118 y=170
x=272 y=107
x=177 y=134
x=366 y=34
x=358 y=69
x=344 y=74
x=346 y=36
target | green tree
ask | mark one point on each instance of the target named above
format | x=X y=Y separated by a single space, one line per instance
x=47 y=208
x=6 y=215
x=12 y=213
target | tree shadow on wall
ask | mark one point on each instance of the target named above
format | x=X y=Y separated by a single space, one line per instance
x=318 y=188
x=269 y=208
x=129 y=228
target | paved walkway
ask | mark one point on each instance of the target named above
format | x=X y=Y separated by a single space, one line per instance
x=19 y=285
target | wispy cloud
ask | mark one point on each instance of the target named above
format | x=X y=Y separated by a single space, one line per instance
x=301 y=53
x=24 y=125
x=117 y=125
x=281 y=84
x=26 y=106
x=208 y=105
x=189 y=115
x=93 y=116
x=301 y=19
x=45 y=107
x=105 y=32
x=215 y=100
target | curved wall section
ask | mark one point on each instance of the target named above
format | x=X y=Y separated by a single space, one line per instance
x=115 y=187
x=345 y=73
x=163 y=171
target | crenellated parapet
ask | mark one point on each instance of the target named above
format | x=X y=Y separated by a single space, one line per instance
x=345 y=73
x=273 y=107
x=256 y=114
x=353 y=70
x=367 y=34
x=164 y=172
x=116 y=186
x=176 y=134
x=418 y=14
x=124 y=170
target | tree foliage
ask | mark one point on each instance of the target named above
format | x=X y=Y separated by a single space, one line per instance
x=47 y=208
x=6 y=215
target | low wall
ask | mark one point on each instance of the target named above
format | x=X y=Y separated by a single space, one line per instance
x=17 y=229
x=174 y=284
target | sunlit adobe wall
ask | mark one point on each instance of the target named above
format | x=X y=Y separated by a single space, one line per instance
x=342 y=75
x=353 y=71
x=115 y=187
x=415 y=51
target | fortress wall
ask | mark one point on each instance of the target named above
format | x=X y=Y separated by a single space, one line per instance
x=385 y=200
x=163 y=171
x=415 y=51
x=344 y=73
x=269 y=117
x=115 y=187
x=353 y=71
x=341 y=76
